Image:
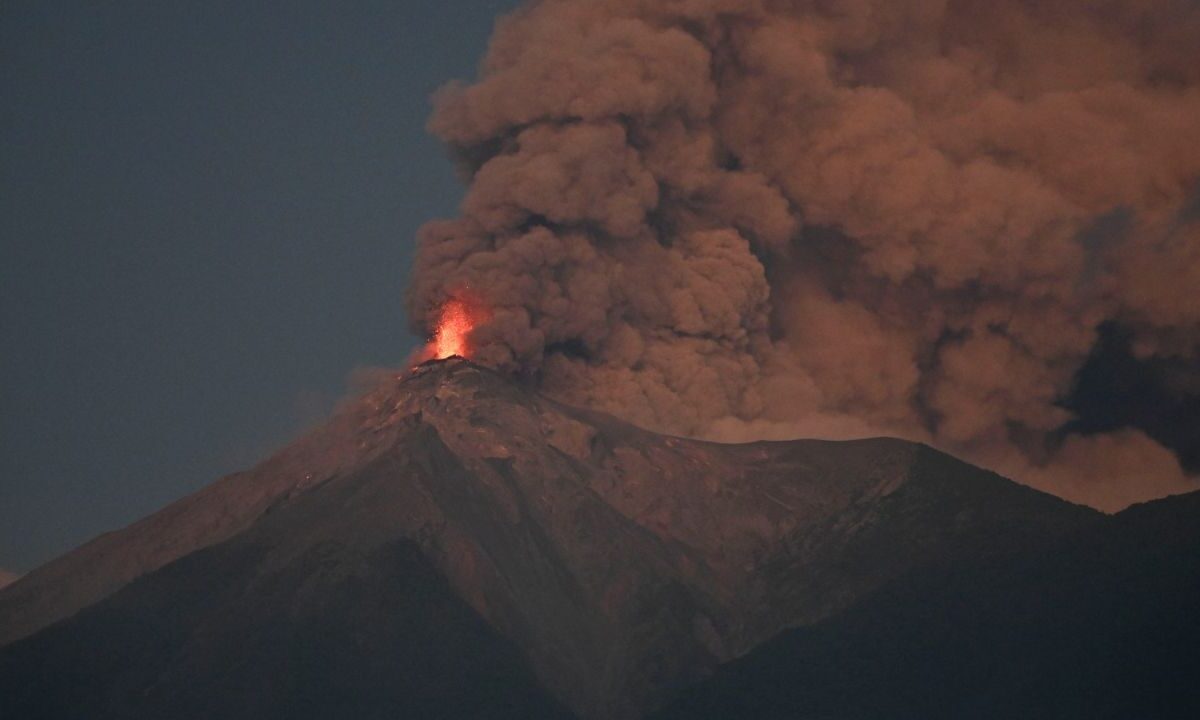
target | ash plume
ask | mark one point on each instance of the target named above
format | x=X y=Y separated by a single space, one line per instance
x=834 y=218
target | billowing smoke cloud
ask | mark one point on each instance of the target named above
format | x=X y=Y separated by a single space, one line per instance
x=743 y=219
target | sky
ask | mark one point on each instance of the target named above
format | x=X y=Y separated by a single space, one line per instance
x=206 y=213
x=209 y=216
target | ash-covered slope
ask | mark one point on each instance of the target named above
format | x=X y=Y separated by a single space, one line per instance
x=619 y=565
x=1100 y=623
x=227 y=507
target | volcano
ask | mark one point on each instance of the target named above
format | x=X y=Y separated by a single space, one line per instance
x=454 y=545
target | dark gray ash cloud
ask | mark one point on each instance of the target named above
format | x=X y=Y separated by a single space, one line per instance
x=761 y=219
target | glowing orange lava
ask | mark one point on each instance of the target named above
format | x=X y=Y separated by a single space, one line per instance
x=454 y=325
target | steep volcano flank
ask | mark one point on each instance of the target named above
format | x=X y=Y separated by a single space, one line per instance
x=622 y=565
x=1097 y=623
x=677 y=553
x=220 y=511
x=320 y=610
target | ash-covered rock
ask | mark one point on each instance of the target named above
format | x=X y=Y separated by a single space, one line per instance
x=619 y=563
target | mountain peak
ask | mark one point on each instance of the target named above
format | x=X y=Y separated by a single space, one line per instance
x=620 y=562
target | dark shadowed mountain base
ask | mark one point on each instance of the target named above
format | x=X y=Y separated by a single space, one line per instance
x=1104 y=624
x=453 y=545
x=381 y=636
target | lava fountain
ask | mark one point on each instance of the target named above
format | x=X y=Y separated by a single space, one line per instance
x=452 y=333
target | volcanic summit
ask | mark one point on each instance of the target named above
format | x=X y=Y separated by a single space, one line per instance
x=455 y=545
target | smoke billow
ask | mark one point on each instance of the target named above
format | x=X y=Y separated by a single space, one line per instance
x=741 y=219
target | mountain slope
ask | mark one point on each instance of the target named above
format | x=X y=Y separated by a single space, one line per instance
x=621 y=565
x=275 y=624
x=1101 y=623
x=220 y=511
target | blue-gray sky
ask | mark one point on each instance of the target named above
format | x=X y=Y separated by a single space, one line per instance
x=206 y=220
